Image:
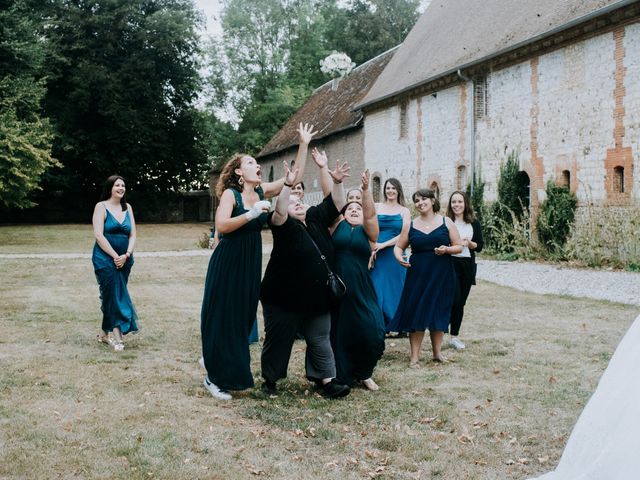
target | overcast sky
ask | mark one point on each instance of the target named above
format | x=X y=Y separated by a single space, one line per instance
x=212 y=9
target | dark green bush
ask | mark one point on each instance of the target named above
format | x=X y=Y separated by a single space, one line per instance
x=555 y=217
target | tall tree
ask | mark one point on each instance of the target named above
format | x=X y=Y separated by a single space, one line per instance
x=25 y=137
x=365 y=28
x=124 y=80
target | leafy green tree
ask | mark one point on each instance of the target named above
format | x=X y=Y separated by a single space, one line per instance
x=25 y=137
x=122 y=91
x=365 y=28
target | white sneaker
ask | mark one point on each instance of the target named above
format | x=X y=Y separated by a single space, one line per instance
x=215 y=391
x=456 y=343
x=201 y=362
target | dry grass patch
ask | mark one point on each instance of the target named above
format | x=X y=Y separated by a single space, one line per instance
x=78 y=238
x=70 y=407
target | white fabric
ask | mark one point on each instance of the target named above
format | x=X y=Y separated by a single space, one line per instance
x=466 y=233
x=605 y=443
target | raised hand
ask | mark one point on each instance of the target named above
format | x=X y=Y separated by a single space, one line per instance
x=319 y=157
x=289 y=176
x=306 y=133
x=341 y=172
x=365 y=180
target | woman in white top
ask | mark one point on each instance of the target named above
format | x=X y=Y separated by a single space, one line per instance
x=461 y=212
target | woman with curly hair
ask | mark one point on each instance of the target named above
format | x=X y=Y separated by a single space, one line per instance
x=232 y=286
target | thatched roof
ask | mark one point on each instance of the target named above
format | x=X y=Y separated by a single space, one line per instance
x=330 y=111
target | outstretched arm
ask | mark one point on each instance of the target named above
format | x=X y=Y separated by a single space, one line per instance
x=323 y=164
x=280 y=214
x=305 y=134
x=337 y=192
x=370 y=220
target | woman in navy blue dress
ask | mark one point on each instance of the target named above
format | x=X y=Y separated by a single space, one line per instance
x=115 y=230
x=430 y=285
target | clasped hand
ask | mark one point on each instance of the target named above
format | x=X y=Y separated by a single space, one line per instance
x=258 y=209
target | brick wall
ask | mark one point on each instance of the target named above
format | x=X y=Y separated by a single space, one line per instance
x=572 y=113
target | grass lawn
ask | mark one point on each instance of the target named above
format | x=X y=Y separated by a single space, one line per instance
x=72 y=408
x=73 y=237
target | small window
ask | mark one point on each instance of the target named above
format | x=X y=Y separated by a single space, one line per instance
x=461 y=177
x=618 y=179
x=271 y=173
x=566 y=179
x=481 y=97
x=403 y=119
x=376 y=188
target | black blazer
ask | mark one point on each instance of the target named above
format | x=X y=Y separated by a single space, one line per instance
x=477 y=238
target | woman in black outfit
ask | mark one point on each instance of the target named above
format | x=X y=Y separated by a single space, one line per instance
x=461 y=212
x=301 y=304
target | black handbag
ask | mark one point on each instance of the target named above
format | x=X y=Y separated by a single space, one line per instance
x=335 y=285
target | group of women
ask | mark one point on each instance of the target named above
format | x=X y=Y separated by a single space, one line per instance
x=363 y=243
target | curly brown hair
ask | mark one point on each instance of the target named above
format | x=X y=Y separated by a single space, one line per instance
x=228 y=177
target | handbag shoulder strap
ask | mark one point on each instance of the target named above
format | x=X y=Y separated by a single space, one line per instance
x=324 y=259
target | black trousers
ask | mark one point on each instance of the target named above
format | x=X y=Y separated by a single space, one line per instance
x=465 y=274
x=280 y=329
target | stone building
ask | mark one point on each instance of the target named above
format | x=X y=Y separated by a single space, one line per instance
x=554 y=82
x=339 y=127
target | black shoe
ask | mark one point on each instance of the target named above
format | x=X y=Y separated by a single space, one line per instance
x=269 y=388
x=334 y=389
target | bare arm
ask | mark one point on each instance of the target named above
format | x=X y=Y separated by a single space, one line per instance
x=400 y=246
x=280 y=214
x=306 y=133
x=370 y=220
x=454 y=239
x=323 y=164
x=98 y=230
x=133 y=235
x=337 y=192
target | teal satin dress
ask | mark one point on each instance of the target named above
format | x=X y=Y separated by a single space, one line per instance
x=117 y=308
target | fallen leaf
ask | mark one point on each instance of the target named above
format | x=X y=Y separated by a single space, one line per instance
x=466 y=439
x=552 y=379
x=523 y=461
x=543 y=459
x=510 y=462
x=482 y=463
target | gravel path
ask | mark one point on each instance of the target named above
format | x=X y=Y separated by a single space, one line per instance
x=622 y=287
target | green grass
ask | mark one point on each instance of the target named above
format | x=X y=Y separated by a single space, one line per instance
x=70 y=407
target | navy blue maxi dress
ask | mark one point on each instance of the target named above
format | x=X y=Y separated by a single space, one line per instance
x=430 y=285
x=357 y=330
x=230 y=302
x=117 y=308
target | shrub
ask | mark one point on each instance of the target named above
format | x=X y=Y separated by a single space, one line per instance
x=555 y=217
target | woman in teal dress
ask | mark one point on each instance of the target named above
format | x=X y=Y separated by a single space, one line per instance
x=387 y=274
x=232 y=286
x=430 y=285
x=357 y=330
x=115 y=230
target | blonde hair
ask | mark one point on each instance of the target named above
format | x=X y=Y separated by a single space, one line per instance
x=228 y=177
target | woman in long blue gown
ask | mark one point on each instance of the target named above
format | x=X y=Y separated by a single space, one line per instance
x=357 y=330
x=387 y=275
x=112 y=259
x=232 y=285
x=430 y=285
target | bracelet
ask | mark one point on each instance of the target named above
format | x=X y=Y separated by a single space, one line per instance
x=288 y=184
x=128 y=254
